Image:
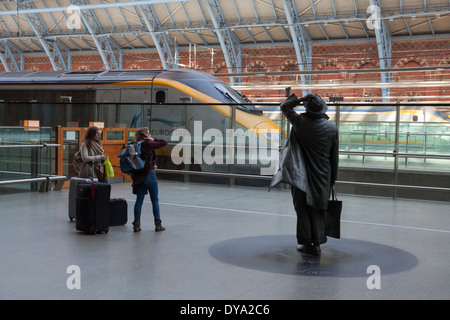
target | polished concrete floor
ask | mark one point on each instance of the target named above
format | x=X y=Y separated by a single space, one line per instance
x=231 y=243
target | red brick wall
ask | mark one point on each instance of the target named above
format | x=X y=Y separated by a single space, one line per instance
x=325 y=57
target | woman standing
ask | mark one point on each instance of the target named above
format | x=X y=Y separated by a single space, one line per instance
x=145 y=179
x=93 y=155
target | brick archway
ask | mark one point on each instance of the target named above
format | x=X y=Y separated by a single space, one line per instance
x=361 y=63
x=330 y=64
x=257 y=97
x=404 y=61
x=134 y=66
x=366 y=96
x=410 y=96
x=412 y=75
x=365 y=64
x=220 y=67
x=287 y=65
x=440 y=74
x=257 y=66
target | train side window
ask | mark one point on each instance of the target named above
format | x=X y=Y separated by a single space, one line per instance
x=160 y=97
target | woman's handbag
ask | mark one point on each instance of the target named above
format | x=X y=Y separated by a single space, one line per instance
x=99 y=171
x=77 y=161
x=333 y=217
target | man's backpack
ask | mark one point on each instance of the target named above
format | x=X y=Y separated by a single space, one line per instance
x=130 y=158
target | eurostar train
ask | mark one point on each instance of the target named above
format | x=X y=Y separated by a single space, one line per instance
x=176 y=86
x=163 y=100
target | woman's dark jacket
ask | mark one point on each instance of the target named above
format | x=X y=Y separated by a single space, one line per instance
x=149 y=156
x=310 y=158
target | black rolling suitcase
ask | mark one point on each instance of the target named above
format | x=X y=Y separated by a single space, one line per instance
x=73 y=194
x=118 y=212
x=92 y=207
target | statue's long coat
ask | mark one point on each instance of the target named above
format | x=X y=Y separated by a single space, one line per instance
x=310 y=158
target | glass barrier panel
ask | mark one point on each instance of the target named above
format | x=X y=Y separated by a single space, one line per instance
x=131 y=136
x=165 y=119
x=114 y=135
x=424 y=131
x=20 y=161
x=367 y=135
x=214 y=143
x=368 y=129
x=70 y=147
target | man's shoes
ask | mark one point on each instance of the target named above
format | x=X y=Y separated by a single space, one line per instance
x=316 y=250
x=305 y=248
x=309 y=249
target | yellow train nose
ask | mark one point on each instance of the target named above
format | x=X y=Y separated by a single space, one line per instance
x=268 y=130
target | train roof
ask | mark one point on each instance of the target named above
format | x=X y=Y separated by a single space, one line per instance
x=35 y=77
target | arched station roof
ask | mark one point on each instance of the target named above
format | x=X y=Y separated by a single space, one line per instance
x=59 y=28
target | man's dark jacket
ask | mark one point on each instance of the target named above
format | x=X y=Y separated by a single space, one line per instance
x=310 y=158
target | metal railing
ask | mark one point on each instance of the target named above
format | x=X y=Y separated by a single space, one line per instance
x=31 y=166
x=269 y=178
x=44 y=145
x=45 y=179
x=396 y=153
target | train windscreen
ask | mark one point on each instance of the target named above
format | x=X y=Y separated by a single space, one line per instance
x=235 y=97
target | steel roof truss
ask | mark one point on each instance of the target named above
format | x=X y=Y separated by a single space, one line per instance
x=237 y=11
x=163 y=43
x=12 y=15
x=431 y=25
x=181 y=33
x=12 y=65
x=201 y=38
x=383 y=37
x=256 y=11
x=228 y=43
x=404 y=18
x=340 y=23
x=301 y=41
x=96 y=32
x=35 y=20
x=250 y=35
x=268 y=34
x=169 y=14
x=55 y=24
x=201 y=11
x=186 y=14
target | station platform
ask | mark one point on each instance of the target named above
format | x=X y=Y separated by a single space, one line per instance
x=224 y=243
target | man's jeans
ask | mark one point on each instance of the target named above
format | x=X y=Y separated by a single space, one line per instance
x=151 y=184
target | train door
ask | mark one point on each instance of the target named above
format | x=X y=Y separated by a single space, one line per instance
x=166 y=115
x=109 y=96
x=2 y=112
x=135 y=106
x=167 y=112
x=109 y=110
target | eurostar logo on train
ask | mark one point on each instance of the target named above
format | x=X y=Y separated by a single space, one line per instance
x=241 y=147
